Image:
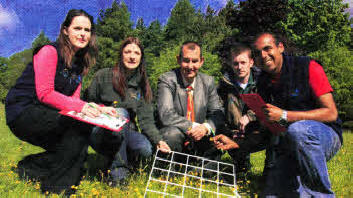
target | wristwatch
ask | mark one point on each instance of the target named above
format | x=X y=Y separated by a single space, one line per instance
x=283 y=121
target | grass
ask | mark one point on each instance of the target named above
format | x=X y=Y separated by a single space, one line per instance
x=12 y=150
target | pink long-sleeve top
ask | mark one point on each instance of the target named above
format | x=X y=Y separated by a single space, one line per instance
x=44 y=64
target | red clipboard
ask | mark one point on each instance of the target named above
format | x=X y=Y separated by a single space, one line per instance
x=108 y=122
x=256 y=103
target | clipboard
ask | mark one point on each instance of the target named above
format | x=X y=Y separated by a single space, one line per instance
x=111 y=123
x=256 y=103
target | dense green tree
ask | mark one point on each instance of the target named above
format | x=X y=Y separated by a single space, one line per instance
x=317 y=25
x=114 y=22
x=253 y=16
x=256 y=16
x=15 y=66
x=181 y=23
x=140 y=29
x=40 y=40
x=337 y=64
x=3 y=64
x=229 y=13
x=153 y=38
x=3 y=68
x=214 y=29
x=108 y=52
x=140 y=24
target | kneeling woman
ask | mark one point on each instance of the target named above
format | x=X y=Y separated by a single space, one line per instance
x=51 y=83
x=127 y=85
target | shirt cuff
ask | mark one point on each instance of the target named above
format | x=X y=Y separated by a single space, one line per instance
x=195 y=124
x=209 y=129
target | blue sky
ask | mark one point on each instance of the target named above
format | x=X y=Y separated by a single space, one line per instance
x=22 y=20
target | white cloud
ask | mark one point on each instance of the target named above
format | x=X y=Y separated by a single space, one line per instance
x=8 y=20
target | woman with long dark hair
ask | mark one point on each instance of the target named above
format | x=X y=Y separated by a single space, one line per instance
x=126 y=86
x=49 y=84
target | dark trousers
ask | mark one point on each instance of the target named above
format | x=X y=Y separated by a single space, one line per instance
x=122 y=148
x=255 y=139
x=176 y=140
x=65 y=141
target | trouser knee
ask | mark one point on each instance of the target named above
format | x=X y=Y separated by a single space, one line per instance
x=296 y=132
x=174 y=138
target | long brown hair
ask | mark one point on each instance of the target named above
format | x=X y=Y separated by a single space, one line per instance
x=86 y=55
x=120 y=71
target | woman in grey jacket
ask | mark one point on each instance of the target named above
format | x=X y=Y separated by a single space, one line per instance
x=126 y=86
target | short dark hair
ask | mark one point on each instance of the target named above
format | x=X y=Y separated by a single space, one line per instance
x=190 y=45
x=238 y=48
x=277 y=37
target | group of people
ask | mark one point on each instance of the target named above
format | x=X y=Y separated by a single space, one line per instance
x=190 y=110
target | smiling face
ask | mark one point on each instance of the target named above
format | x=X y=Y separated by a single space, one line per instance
x=241 y=64
x=268 y=54
x=131 y=56
x=79 y=32
x=190 y=62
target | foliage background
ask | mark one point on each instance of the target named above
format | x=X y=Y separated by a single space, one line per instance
x=319 y=28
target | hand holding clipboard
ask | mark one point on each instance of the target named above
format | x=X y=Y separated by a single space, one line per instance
x=256 y=103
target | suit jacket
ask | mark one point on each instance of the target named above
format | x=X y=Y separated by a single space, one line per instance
x=172 y=101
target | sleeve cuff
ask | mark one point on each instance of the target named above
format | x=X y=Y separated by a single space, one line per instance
x=209 y=129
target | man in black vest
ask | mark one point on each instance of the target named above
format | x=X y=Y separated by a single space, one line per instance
x=299 y=97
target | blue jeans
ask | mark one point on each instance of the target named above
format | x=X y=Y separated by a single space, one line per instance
x=296 y=161
x=123 y=147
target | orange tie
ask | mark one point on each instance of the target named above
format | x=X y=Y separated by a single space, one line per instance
x=190 y=114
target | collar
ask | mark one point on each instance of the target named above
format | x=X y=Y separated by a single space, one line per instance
x=186 y=84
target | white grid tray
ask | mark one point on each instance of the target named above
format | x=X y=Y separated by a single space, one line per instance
x=183 y=175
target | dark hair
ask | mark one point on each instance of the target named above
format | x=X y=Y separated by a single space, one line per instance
x=238 y=48
x=277 y=37
x=232 y=45
x=190 y=45
x=289 y=46
x=86 y=55
x=120 y=71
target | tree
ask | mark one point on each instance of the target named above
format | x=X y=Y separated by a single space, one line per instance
x=181 y=22
x=3 y=64
x=213 y=30
x=140 y=25
x=256 y=16
x=140 y=30
x=40 y=40
x=229 y=13
x=153 y=38
x=317 y=25
x=337 y=64
x=14 y=68
x=3 y=68
x=114 y=22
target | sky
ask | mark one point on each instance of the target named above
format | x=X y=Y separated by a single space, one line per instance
x=22 y=20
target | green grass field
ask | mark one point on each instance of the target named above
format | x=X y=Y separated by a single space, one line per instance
x=12 y=150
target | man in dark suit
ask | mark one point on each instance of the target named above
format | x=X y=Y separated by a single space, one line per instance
x=188 y=105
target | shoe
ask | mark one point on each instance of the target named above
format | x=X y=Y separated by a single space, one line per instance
x=118 y=176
